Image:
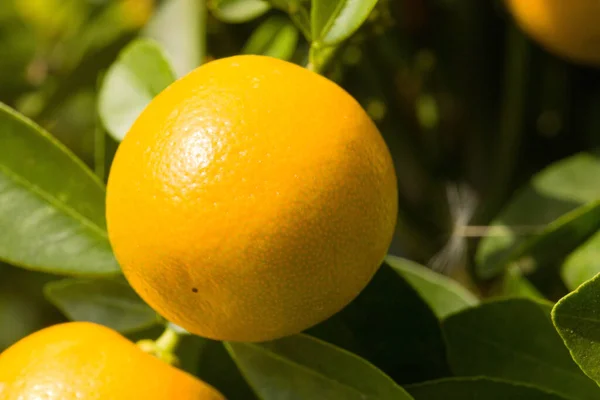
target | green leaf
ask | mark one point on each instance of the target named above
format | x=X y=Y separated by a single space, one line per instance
x=390 y=325
x=301 y=367
x=276 y=37
x=333 y=21
x=514 y=284
x=217 y=368
x=577 y=319
x=140 y=73
x=51 y=204
x=514 y=340
x=110 y=302
x=478 y=388
x=184 y=41
x=237 y=11
x=444 y=295
x=583 y=264
x=546 y=220
x=297 y=12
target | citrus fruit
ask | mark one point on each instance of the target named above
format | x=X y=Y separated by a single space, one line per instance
x=136 y=13
x=567 y=28
x=82 y=360
x=251 y=199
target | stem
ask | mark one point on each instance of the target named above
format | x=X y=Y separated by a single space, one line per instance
x=99 y=151
x=312 y=59
x=513 y=110
x=202 y=21
x=319 y=56
x=162 y=348
x=168 y=341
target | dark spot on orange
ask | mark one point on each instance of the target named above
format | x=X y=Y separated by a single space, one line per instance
x=194 y=290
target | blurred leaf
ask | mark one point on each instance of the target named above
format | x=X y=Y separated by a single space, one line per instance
x=23 y=308
x=52 y=18
x=17 y=51
x=390 y=325
x=514 y=284
x=97 y=31
x=77 y=114
x=546 y=220
x=275 y=37
x=216 y=367
x=301 y=367
x=140 y=73
x=577 y=319
x=182 y=41
x=237 y=11
x=100 y=151
x=444 y=295
x=297 y=12
x=583 y=264
x=333 y=21
x=285 y=4
x=189 y=348
x=109 y=302
x=51 y=205
x=511 y=119
x=477 y=388
x=513 y=339
x=81 y=75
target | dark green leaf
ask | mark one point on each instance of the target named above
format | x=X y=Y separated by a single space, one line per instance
x=513 y=339
x=301 y=367
x=390 y=325
x=546 y=220
x=189 y=349
x=184 y=41
x=276 y=37
x=110 y=302
x=583 y=264
x=51 y=205
x=577 y=319
x=17 y=50
x=23 y=308
x=478 y=388
x=333 y=21
x=140 y=73
x=216 y=368
x=444 y=295
x=514 y=284
x=237 y=11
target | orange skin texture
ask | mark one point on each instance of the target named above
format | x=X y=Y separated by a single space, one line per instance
x=82 y=360
x=251 y=200
x=568 y=28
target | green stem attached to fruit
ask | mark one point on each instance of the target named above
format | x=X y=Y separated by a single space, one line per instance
x=163 y=347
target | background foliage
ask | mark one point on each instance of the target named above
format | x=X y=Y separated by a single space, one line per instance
x=494 y=142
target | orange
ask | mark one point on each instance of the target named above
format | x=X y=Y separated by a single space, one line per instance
x=568 y=28
x=136 y=13
x=251 y=200
x=81 y=360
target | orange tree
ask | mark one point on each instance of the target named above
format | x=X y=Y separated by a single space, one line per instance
x=252 y=202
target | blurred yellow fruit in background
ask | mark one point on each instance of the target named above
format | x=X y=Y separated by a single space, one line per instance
x=568 y=28
x=136 y=12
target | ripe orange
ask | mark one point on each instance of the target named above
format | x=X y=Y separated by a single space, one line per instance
x=136 y=13
x=251 y=200
x=568 y=28
x=81 y=360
